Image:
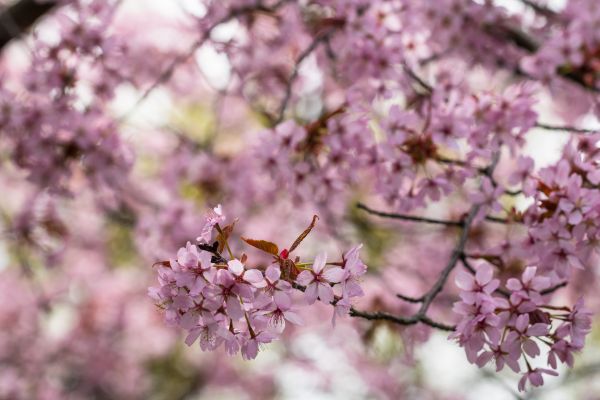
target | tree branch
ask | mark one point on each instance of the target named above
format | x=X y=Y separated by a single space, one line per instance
x=20 y=16
x=565 y=128
x=425 y=220
x=524 y=41
x=167 y=73
x=427 y=298
x=412 y=218
x=321 y=38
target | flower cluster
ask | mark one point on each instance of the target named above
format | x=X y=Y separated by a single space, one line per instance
x=223 y=301
x=573 y=48
x=510 y=329
x=53 y=128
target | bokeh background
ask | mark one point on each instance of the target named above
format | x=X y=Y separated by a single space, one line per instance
x=75 y=319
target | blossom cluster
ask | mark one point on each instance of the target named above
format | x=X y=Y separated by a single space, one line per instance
x=402 y=101
x=224 y=301
x=56 y=122
x=563 y=220
x=573 y=48
x=509 y=326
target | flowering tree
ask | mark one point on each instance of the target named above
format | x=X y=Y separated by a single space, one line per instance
x=421 y=129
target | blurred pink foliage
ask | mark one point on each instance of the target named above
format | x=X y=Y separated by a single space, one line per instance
x=121 y=124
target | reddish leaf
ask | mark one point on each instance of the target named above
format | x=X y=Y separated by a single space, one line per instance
x=223 y=235
x=304 y=234
x=267 y=247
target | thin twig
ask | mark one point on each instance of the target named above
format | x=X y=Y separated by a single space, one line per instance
x=565 y=128
x=409 y=299
x=421 y=315
x=413 y=218
x=554 y=288
x=167 y=73
x=426 y=220
x=321 y=38
x=539 y=8
x=417 y=78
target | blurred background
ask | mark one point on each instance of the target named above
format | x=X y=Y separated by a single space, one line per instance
x=76 y=258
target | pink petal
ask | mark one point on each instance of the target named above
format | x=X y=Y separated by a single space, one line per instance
x=234 y=308
x=325 y=293
x=531 y=348
x=293 y=318
x=464 y=281
x=282 y=300
x=236 y=267
x=335 y=275
x=514 y=284
x=536 y=379
x=193 y=336
x=484 y=358
x=255 y=277
x=319 y=262
x=529 y=273
x=484 y=274
x=311 y=293
x=304 y=278
x=273 y=273
x=539 y=329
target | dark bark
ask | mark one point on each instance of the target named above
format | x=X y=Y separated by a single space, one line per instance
x=19 y=17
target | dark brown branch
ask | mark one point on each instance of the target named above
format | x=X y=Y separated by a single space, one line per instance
x=458 y=249
x=19 y=17
x=513 y=192
x=546 y=12
x=409 y=299
x=524 y=41
x=554 y=288
x=497 y=220
x=438 y=286
x=413 y=320
x=418 y=79
x=565 y=128
x=425 y=220
x=412 y=218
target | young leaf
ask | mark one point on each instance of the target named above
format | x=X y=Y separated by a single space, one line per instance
x=223 y=235
x=267 y=247
x=300 y=238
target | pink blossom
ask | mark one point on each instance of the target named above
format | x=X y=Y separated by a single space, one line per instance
x=317 y=280
x=535 y=377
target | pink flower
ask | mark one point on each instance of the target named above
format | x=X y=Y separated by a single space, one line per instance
x=340 y=309
x=482 y=284
x=580 y=323
x=525 y=331
x=279 y=310
x=487 y=197
x=250 y=345
x=528 y=288
x=242 y=275
x=190 y=267
x=508 y=352
x=353 y=268
x=317 y=281
x=273 y=281
x=535 y=377
x=524 y=168
x=212 y=218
